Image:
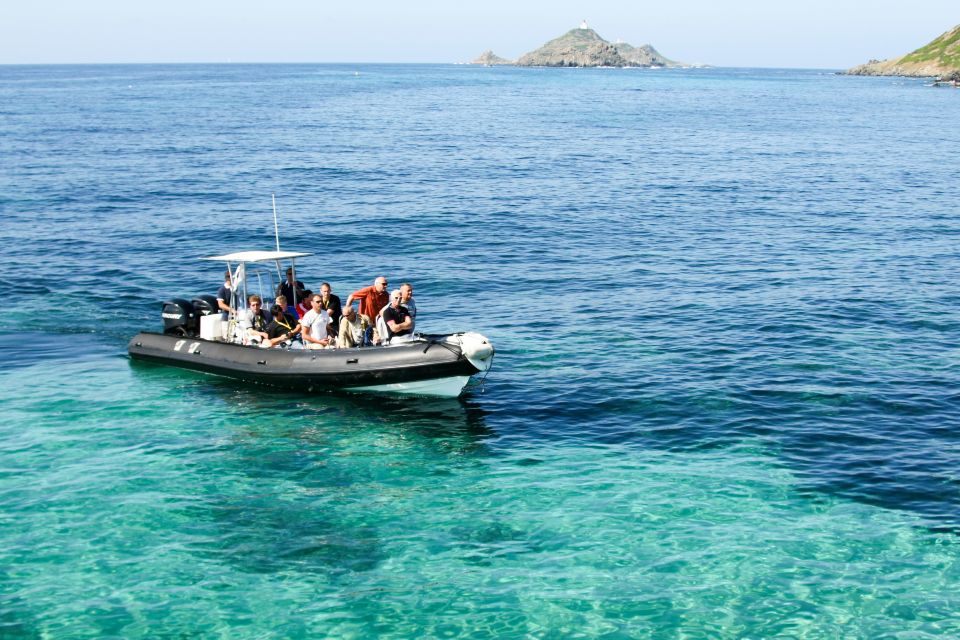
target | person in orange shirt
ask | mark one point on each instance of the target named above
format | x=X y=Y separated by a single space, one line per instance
x=372 y=299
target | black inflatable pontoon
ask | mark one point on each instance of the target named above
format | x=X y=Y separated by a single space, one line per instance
x=430 y=365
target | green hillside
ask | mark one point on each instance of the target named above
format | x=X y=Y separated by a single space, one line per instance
x=939 y=58
x=945 y=50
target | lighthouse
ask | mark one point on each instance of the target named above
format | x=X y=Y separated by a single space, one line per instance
x=583 y=25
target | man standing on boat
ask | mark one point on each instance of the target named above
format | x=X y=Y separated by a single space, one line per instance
x=331 y=304
x=372 y=299
x=406 y=299
x=292 y=290
x=224 y=295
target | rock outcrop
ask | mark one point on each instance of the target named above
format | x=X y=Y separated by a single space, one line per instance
x=939 y=58
x=576 y=48
x=643 y=56
x=489 y=59
x=583 y=47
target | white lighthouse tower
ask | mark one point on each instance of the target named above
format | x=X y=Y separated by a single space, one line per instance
x=583 y=25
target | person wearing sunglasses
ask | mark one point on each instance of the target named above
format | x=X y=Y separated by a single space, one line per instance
x=397 y=320
x=314 y=323
x=372 y=300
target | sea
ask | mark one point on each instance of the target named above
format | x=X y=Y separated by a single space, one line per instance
x=725 y=401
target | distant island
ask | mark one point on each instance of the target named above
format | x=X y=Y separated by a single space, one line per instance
x=490 y=59
x=940 y=58
x=583 y=47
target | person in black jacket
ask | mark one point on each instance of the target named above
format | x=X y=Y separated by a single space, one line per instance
x=282 y=328
x=292 y=290
x=331 y=304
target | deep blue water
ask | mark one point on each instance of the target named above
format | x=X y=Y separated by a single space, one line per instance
x=725 y=401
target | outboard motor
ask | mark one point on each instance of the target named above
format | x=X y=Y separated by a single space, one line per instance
x=179 y=318
x=205 y=305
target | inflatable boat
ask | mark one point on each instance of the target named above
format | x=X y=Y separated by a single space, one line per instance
x=428 y=365
x=196 y=337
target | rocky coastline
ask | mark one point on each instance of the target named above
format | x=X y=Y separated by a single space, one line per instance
x=937 y=59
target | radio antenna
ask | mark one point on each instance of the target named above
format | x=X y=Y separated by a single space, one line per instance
x=276 y=229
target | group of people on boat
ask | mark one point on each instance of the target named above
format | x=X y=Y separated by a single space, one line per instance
x=301 y=318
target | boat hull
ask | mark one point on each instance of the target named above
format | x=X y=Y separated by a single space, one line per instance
x=434 y=366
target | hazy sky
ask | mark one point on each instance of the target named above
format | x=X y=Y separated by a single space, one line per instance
x=767 y=33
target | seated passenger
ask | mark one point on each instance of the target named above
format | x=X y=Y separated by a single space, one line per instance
x=397 y=321
x=254 y=320
x=370 y=335
x=281 y=301
x=282 y=329
x=314 y=324
x=406 y=299
x=303 y=304
x=352 y=329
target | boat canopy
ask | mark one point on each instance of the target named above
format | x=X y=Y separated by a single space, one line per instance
x=258 y=256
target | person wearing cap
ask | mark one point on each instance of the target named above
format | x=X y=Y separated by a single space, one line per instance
x=352 y=329
x=292 y=290
x=397 y=320
x=224 y=295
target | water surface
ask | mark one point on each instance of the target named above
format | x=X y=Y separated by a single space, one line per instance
x=724 y=402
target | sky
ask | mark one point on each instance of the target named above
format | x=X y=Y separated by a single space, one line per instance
x=820 y=34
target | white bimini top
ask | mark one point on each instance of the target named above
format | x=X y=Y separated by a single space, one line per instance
x=258 y=256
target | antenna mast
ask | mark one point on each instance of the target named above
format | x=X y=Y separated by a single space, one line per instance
x=276 y=229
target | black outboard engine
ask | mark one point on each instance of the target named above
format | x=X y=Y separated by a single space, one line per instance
x=179 y=318
x=205 y=305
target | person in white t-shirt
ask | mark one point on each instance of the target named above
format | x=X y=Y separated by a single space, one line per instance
x=315 y=323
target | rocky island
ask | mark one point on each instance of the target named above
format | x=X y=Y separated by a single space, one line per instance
x=583 y=47
x=489 y=59
x=941 y=57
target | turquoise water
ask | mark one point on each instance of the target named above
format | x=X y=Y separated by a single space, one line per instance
x=724 y=402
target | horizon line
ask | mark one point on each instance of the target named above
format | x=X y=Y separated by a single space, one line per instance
x=459 y=64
